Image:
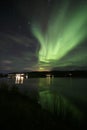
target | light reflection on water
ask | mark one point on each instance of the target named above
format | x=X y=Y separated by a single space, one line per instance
x=60 y=106
x=68 y=95
x=19 y=79
x=59 y=95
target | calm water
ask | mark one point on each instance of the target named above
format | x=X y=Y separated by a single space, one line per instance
x=58 y=95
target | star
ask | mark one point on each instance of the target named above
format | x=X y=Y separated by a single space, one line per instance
x=49 y=1
x=29 y=23
x=19 y=27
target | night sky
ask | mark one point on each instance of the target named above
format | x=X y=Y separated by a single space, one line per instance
x=43 y=35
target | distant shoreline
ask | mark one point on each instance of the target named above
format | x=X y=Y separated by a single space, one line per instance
x=43 y=74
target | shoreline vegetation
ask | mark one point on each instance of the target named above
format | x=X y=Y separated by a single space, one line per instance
x=18 y=111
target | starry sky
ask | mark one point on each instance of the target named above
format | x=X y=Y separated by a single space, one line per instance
x=43 y=35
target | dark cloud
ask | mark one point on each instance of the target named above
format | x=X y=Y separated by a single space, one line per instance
x=17 y=52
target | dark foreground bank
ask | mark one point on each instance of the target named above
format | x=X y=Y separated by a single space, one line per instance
x=18 y=111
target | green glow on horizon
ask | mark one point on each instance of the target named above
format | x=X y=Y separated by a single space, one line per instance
x=65 y=31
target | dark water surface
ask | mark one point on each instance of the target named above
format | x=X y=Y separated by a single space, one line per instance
x=65 y=97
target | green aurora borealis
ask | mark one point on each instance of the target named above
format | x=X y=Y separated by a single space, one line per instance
x=39 y=35
x=65 y=31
